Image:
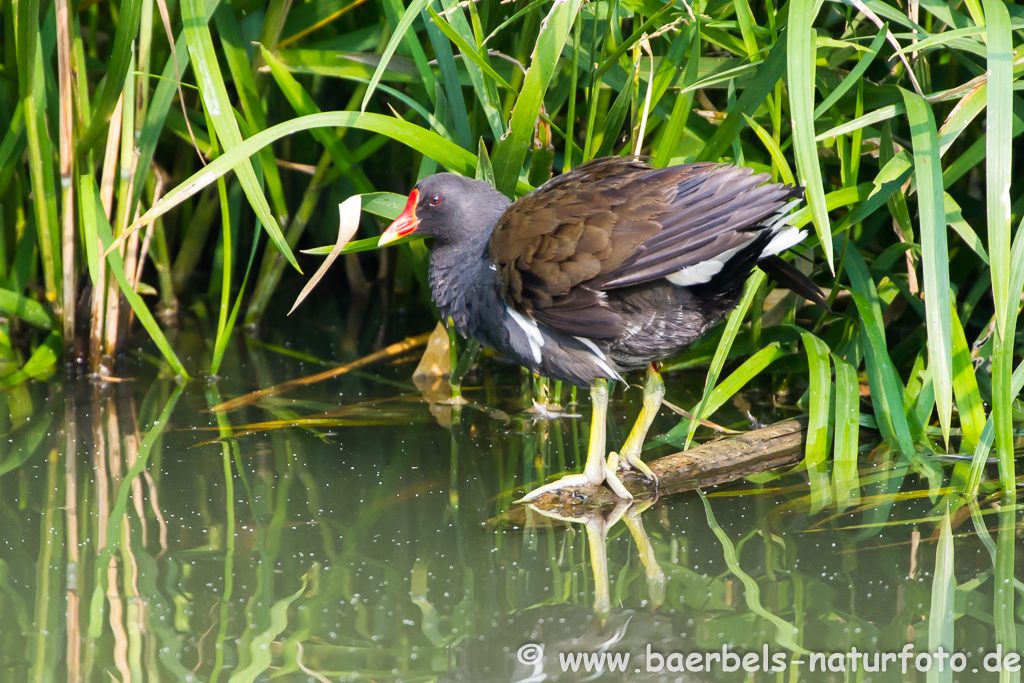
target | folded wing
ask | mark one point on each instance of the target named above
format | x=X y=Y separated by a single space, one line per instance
x=616 y=222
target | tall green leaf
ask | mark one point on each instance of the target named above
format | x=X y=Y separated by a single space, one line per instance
x=998 y=162
x=801 y=57
x=934 y=253
x=511 y=151
x=218 y=106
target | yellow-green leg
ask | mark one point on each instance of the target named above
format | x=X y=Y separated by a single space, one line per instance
x=629 y=456
x=596 y=471
x=656 y=580
x=597 y=523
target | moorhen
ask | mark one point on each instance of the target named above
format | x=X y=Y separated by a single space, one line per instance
x=610 y=267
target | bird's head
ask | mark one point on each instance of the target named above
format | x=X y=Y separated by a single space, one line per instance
x=449 y=207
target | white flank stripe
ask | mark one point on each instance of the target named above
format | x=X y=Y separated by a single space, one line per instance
x=533 y=335
x=611 y=373
x=784 y=239
x=601 y=358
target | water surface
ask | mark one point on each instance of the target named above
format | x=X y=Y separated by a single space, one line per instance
x=351 y=530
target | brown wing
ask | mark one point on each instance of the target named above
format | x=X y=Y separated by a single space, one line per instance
x=616 y=222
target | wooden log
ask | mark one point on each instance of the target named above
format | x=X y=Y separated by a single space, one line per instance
x=710 y=464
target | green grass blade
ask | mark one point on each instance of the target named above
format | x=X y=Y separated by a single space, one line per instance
x=934 y=253
x=855 y=75
x=484 y=171
x=800 y=65
x=393 y=8
x=988 y=437
x=758 y=88
x=41 y=175
x=965 y=388
x=778 y=158
x=32 y=312
x=972 y=104
x=411 y=12
x=159 y=107
x=218 y=105
x=230 y=33
x=229 y=217
x=452 y=87
x=886 y=389
x=741 y=376
x=820 y=392
x=613 y=59
x=955 y=219
x=91 y=211
x=45 y=357
x=304 y=105
x=119 y=62
x=941 y=614
x=615 y=118
x=12 y=146
x=877 y=116
x=221 y=344
x=491 y=111
x=673 y=130
x=732 y=327
x=511 y=151
x=422 y=140
x=998 y=163
x=845 y=478
x=467 y=50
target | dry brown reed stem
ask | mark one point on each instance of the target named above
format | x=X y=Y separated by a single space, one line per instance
x=66 y=146
x=99 y=290
x=115 y=327
x=387 y=352
x=74 y=636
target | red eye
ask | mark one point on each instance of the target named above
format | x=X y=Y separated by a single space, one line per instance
x=435 y=200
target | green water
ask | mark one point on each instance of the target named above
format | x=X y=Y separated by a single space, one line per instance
x=350 y=530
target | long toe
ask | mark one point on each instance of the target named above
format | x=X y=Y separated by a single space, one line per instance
x=565 y=482
x=640 y=466
x=612 y=478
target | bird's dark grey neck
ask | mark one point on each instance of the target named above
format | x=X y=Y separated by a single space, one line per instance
x=463 y=281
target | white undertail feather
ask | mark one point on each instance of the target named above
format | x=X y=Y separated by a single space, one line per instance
x=701 y=273
x=784 y=212
x=785 y=238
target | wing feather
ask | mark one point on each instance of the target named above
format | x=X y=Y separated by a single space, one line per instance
x=617 y=222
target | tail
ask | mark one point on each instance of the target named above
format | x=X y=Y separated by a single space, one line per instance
x=786 y=275
x=784 y=237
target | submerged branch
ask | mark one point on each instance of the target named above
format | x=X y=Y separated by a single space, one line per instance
x=391 y=351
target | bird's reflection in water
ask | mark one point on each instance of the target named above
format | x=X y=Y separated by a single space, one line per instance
x=529 y=646
x=597 y=522
x=505 y=655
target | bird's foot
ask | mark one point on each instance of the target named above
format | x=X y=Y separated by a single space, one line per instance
x=626 y=461
x=606 y=476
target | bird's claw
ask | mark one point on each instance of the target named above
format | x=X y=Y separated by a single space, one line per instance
x=609 y=477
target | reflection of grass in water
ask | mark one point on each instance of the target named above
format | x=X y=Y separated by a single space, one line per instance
x=406 y=558
x=786 y=634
